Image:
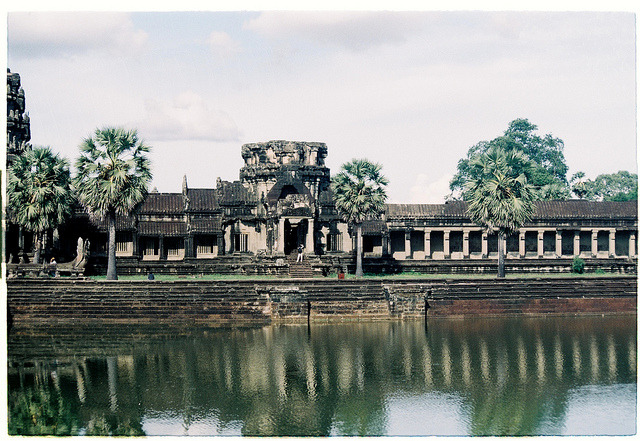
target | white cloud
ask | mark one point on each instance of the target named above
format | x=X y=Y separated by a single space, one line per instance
x=351 y=30
x=427 y=191
x=222 y=44
x=187 y=117
x=52 y=34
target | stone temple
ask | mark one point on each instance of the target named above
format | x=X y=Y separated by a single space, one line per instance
x=283 y=199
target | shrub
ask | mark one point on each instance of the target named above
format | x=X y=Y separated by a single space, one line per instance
x=577 y=266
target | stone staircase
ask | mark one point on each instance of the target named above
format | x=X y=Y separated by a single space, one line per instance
x=299 y=270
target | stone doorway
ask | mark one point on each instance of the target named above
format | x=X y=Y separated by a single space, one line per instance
x=295 y=233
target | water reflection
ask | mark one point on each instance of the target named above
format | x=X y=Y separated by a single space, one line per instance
x=516 y=376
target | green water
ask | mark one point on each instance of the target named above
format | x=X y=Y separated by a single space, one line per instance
x=511 y=376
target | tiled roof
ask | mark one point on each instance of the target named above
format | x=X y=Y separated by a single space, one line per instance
x=164 y=203
x=571 y=209
x=234 y=193
x=162 y=228
x=202 y=199
x=585 y=210
x=374 y=227
x=123 y=223
x=451 y=209
x=206 y=225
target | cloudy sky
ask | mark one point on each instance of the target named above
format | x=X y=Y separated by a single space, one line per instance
x=410 y=90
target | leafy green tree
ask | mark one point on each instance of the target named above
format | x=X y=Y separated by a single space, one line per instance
x=620 y=186
x=39 y=195
x=622 y=197
x=547 y=172
x=113 y=175
x=360 y=194
x=499 y=195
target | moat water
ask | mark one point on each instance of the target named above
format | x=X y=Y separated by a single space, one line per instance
x=489 y=376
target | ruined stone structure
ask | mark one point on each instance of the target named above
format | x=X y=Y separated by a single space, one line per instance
x=18 y=137
x=283 y=199
x=18 y=125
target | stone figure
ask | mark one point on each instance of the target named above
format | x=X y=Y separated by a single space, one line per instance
x=80 y=248
x=271 y=156
x=82 y=254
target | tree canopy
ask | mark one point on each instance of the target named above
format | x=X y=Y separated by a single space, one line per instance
x=359 y=191
x=113 y=175
x=620 y=186
x=39 y=195
x=547 y=172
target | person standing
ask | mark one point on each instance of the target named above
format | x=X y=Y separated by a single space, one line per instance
x=300 y=253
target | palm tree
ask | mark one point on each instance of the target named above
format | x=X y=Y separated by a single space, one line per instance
x=360 y=193
x=500 y=198
x=581 y=187
x=39 y=195
x=113 y=174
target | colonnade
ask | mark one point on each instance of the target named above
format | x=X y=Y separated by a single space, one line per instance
x=419 y=243
x=469 y=243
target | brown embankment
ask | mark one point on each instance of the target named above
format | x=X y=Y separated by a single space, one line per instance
x=47 y=301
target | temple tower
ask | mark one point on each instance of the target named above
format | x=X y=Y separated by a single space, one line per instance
x=18 y=125
x=287 y=177
x=18 y=137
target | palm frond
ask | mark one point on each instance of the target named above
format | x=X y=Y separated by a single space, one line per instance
x=113 y=171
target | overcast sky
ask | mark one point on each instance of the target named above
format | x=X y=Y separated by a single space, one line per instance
x=412 y=90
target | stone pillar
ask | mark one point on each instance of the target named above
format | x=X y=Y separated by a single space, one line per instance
x=188 y=246
x=485 y=245
x=594 y=242
x=427 y=243
x=447 y=253
x=21 y=239
x=558 y=243
x=576 y=243
x=385 y=244
x=161 y=247
x=540 y=243
x=309 y=246
x=465 y=244
x=521 y=244
x=220 y=241
x=407 y=244
x=612 y=242
x=632 y=244
x=280 y=236
x=136 y=244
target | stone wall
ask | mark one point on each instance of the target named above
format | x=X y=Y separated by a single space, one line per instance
x=490 y=266
x=268 y=265
x=55 y=301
